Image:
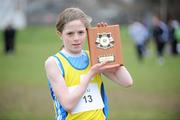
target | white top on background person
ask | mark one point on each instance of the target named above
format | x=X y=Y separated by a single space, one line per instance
x=138 y=32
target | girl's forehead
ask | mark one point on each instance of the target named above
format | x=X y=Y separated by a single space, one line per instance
x=74 y=24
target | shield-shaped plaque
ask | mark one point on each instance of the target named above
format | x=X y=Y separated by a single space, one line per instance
x=105 y=45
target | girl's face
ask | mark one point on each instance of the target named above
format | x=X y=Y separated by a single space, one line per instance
x=74 y=36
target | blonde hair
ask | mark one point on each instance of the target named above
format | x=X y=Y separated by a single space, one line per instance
x=70 y=14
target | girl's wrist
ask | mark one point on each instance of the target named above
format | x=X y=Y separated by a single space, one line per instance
x=90 y=74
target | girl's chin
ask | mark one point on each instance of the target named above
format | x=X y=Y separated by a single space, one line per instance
x=77 y=48
x=77 y=51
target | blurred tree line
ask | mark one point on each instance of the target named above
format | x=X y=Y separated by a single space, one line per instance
x=112 y=11
x=44 y=12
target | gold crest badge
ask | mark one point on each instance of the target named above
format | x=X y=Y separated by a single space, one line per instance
x=104 y=40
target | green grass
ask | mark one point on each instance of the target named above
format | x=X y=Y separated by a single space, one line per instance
x=24 y=92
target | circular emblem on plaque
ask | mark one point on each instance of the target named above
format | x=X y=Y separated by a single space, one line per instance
x=104 y=40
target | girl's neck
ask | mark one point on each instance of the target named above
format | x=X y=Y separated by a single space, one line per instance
x=71 y=54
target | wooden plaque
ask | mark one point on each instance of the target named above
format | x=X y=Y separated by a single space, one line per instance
x=105 y=45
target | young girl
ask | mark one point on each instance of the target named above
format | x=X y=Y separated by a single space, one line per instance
x=76 y=86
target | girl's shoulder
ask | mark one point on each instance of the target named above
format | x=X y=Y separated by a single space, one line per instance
x=49 y=61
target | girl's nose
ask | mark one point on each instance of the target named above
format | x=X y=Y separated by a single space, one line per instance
x=76 y=37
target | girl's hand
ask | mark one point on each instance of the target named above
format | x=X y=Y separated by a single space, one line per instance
x=98 y=68
x=112 y=70
x=102 y=24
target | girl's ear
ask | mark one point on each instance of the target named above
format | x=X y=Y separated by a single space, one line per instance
x=58 y=33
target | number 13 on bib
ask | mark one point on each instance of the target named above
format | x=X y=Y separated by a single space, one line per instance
x=91 y=100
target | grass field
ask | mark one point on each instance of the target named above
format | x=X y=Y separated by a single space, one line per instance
x=24 y=93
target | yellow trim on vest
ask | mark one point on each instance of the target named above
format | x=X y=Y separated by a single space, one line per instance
x=72 y=75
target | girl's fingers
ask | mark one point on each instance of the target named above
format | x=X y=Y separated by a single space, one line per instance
x=99 y=25
x=104 y=63
x=98 y=66
x=102 y=24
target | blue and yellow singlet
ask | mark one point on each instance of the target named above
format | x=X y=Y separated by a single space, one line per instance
x=72 y=67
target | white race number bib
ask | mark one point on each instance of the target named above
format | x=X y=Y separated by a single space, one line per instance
x=91 y=100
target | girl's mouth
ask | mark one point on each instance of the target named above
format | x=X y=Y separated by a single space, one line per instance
x=76 y=45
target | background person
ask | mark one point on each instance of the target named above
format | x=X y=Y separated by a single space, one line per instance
x=161 y=37
x=139 y=35
x=173 y=26
x=9 y=35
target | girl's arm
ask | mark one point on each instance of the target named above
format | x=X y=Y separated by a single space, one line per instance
x=67 y=99
x=120 y=75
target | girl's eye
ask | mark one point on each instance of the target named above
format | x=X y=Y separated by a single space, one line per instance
x=81 y=32
x=70 y=33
